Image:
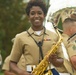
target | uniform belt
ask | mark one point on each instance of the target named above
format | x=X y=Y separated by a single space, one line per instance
x=29 y=68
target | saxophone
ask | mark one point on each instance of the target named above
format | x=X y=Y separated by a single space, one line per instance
x=42 y=66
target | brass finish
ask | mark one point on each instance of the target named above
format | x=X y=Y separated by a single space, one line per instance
x=42 y=66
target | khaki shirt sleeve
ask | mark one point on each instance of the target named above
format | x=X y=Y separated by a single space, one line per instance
x=71 y=48
x=16 y=49
x=21 y=64
x=6 y=64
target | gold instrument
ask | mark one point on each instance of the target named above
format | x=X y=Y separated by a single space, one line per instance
x=41 y=68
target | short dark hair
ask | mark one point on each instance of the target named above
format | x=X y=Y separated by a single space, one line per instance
x=69 y=20
x=39 y=3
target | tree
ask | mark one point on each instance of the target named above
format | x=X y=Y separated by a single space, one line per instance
x=13 y=20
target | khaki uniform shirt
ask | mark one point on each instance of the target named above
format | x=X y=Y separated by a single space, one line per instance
x=69 y=45
x=72 y=48
x=65 y=38
x=24 y=44
x=21 y=63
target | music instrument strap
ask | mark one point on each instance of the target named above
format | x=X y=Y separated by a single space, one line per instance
x=39 y=44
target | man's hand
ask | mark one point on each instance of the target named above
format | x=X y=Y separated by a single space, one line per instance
x=55 y=60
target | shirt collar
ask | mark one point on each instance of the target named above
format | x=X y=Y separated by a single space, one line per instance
x=31 y=31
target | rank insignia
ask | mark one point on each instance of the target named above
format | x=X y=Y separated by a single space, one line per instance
x=74 y=47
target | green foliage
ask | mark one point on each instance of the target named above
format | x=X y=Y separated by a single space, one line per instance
x=47 y=3
x=60 y=24
x=13 y=20
x=1 y=74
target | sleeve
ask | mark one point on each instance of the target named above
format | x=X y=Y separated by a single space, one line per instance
x=71 y=48
x=21 y=64
x=16 y=49
x=6 y=64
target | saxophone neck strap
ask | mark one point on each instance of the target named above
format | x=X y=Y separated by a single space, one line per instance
x=39 y=44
